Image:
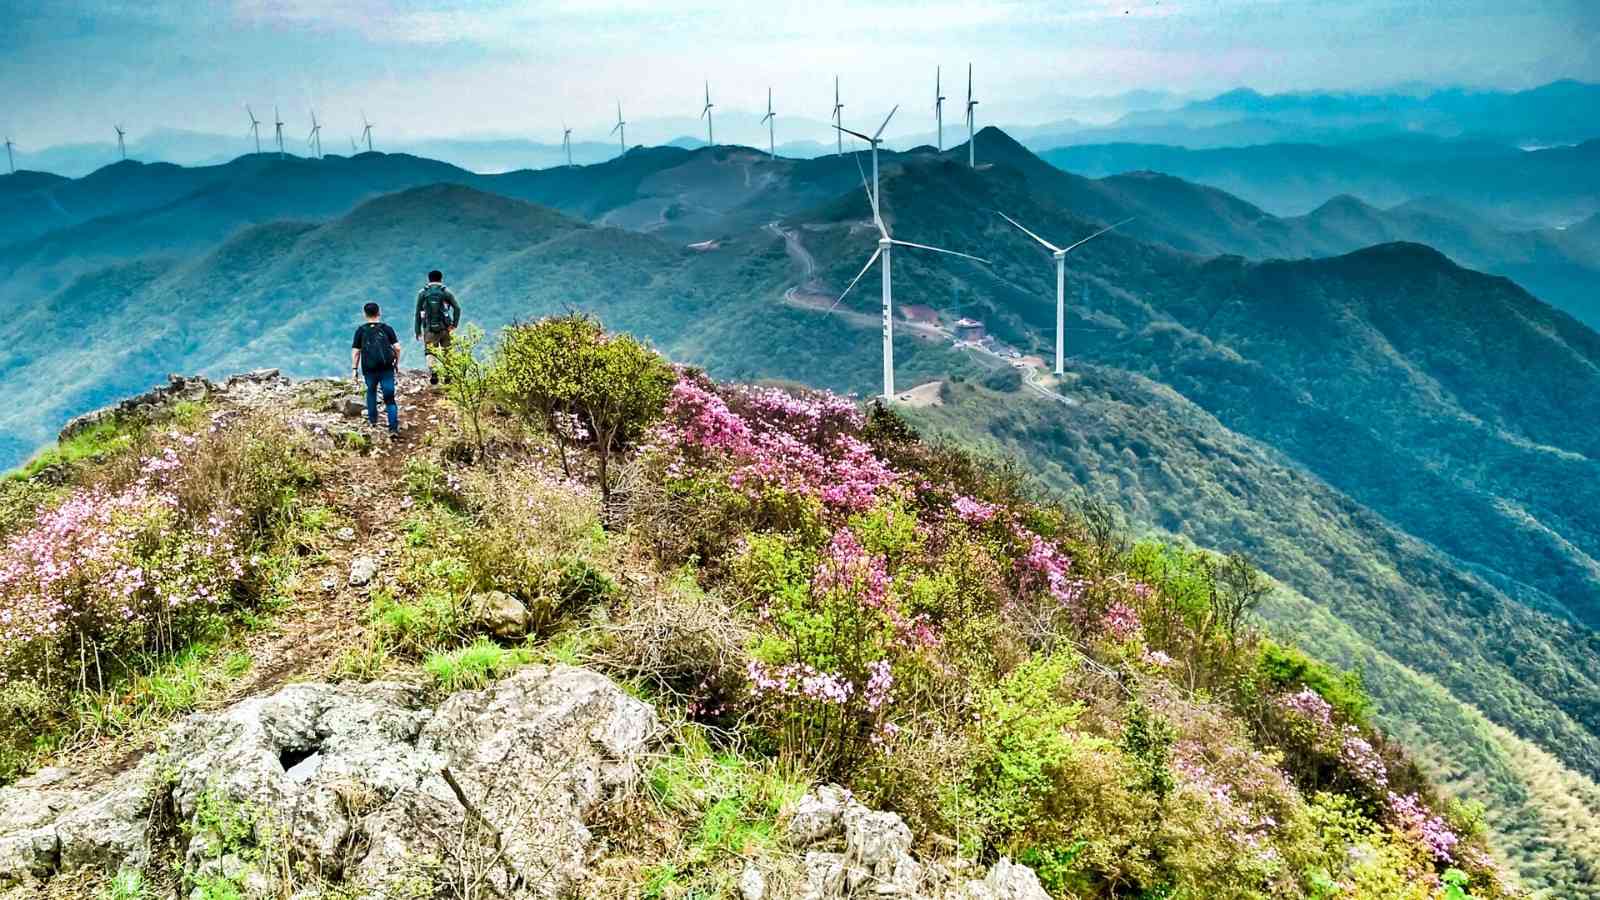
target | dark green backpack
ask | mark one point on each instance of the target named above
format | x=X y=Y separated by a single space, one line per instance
x=433 y=308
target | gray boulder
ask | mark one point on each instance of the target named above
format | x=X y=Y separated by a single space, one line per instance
x=365 y=784
x=500 y=614
x=362 y=570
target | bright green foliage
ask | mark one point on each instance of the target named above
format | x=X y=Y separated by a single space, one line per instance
x=467 y=382
x=473 y=666
x=96 y=442
x=1283 y=667
x=566 y=375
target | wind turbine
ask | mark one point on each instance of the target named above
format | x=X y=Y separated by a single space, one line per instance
x=1060 y=253
x=566 y=142
x=621 y=130
x=255 y=128
x=121 y=147
x=314 y=139
x=277 y=122
x=770 y=118
x=938 y=106
x=366 y=131
x=706 y=114
x=972 y=156
x=875 y=140
x=838 y=119
x=11 y=160
x=886 y=244
x=354 y=147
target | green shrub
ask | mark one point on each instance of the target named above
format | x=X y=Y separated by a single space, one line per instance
x=1284 y=668
x=473 y=666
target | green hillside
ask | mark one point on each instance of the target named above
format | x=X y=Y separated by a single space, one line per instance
x=1404 y=443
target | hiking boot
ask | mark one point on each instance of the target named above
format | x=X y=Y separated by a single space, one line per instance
x=433 y=377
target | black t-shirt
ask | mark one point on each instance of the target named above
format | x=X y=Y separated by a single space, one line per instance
x=388 y=334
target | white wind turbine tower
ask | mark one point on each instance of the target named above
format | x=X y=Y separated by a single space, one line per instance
x=886 y=244
x=11 y=160
x=770 y=118
x=1060 y=254
x=277 y=123
x=354 y=147
x=314 y=139
x=122 y=148
x=366 y=130
x=255 y=127
x=972 y=156
x=566 y=142
x=705 y=113
x=621 y=130
x=938 y=106
x=838 y=118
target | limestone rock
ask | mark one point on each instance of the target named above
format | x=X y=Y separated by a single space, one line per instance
x=500 y=614
x=1013 y=881
x=362 y=570
x=818 y=815
x=752 y=884
x=360 y=781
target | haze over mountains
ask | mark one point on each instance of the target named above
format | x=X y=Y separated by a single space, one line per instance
x=1406 y=443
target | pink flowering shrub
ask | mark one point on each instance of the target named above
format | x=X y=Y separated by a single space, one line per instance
x=147 y=552
x=766 y=440
x=1422 y=826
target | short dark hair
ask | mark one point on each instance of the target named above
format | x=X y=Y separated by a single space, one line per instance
x=436 y=275
x=371 y=309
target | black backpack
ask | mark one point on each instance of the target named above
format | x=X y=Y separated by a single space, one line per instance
x=377 y=351
x=433 y=314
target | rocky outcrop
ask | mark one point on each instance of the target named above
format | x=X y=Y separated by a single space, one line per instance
x=361 y=786
x=853 y=851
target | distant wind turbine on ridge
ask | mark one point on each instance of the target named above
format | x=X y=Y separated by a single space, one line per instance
x=769 y=119
x=366 y=130
x=621 y=130
x=705 y=113
x=354 y=147
x=1060 y=254
x=886 y=244
x=122 y=148
x=938 y=107
x=10 y=160
x=314 y=139
x=838 y=117
x=566 y=142
x=255 y=127
x=277 y=124
x=972 y=155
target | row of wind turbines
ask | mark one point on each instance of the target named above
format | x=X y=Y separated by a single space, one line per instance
x=313 y=139
x=887 y=242
x=620 y=129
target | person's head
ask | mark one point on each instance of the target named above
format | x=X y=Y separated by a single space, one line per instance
x=371 y=309
x=436 y=277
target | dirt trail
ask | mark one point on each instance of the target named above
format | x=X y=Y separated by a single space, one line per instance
x=327 y=613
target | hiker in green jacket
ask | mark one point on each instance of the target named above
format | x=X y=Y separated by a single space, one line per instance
x=438 y=314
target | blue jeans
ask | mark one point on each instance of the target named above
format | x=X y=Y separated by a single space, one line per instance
x=384 y=380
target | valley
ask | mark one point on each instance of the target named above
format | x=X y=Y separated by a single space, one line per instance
x=1405 y=445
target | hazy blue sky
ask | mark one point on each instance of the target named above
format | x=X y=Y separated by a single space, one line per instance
x=71 y=67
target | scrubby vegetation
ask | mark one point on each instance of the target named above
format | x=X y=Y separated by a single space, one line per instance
x=116 y=591
x=808 y=591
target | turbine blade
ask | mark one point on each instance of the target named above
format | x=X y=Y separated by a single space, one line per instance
x=1053 y=247
x=885 y=122
x=1072 y=247
x=856 y=133
x=940 y=250
x=870 y=260
x=872 y=200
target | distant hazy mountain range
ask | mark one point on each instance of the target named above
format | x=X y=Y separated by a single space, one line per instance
x=1409 y=445
x=1555 y=114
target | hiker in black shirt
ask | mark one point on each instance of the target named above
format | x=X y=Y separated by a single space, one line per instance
x=375 y=353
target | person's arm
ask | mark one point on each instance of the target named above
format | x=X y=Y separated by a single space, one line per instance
x=396 y=339
x=355 y=356
x=455 y=309
x=418 y=317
